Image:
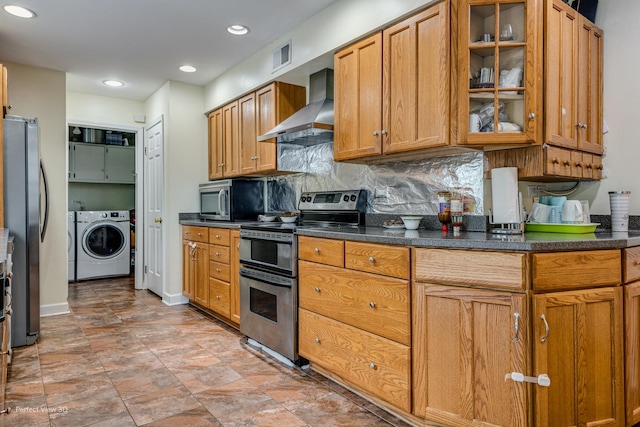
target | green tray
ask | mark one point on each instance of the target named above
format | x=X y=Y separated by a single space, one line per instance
x=561 y=228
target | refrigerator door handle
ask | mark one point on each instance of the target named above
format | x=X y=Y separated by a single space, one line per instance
x=45 y=221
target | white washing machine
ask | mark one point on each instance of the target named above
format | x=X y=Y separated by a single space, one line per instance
x=103 y=241
x=71 y=244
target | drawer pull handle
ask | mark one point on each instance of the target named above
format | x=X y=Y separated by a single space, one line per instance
x=218 y=254
x=516 y=327
x=217 y=236
x=200 y=234
x=567 y=163
x=546 y=329
x=317 y=289
x=372 y=304
x=555 y=161
x=217 y=296
x=371 y=259
x=317 y=340
x=217 y=270
x=372 y=365
x=316 y=250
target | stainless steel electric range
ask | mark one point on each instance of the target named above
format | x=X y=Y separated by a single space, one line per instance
x=269 y=270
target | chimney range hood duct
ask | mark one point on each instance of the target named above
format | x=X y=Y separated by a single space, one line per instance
x=313 y=124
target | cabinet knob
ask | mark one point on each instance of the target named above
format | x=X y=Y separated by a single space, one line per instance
x=371 y=259
x=316 y=250
x=566 y=163
x=372 y=304
x=372 y=365
x=532 y=115
x=555 y=161
x=317 y=289
x=375 y=133
x=383 y=132
x=589 y=166
x=317 y=340
x=199 y=234
x=636 y=263
x=218 y=236
x=217 y=254
x=217 y=270
x=599 y=167
x=217 y=296
x=578 y=164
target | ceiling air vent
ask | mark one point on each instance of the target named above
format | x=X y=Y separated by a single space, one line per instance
x=281 y=56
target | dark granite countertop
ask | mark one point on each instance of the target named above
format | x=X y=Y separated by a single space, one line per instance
x=466 y=240
x=480 y=240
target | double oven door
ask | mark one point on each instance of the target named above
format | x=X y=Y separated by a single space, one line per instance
x=269 y=290
x=269 y=310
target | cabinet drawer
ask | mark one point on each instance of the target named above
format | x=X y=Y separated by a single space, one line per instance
x=631 y=264
x=377 y=365
x=324 y=251
x=219 y=254
x=499 y=270
x=571 y=270
x=219 y=271
x=219 y=236
x=374 y=303
x=557 y=161
x=219 y=297
x=195 y=233
x=381 y=259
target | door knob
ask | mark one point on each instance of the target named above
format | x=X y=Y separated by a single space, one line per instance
x=157 y=220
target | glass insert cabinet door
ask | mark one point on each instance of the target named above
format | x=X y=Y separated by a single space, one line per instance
x=498 y=72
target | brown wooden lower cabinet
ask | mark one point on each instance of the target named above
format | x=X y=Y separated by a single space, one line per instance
x=632 y=351
x=465 y=342
x=578 y=342
x=376 y=364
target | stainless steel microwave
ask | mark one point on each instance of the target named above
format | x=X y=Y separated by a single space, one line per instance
x=232 y=199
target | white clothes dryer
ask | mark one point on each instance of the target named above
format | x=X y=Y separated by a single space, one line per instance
x=71 y=244
x=103 y=242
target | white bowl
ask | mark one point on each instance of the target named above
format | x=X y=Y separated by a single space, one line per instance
x=411 y=222
x=288 y=218
x=266 y=218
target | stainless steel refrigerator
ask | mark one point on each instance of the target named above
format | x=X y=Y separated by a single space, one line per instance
x=22 y=207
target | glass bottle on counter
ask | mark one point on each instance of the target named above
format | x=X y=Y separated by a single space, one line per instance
x=457 y=211
x=444 y=209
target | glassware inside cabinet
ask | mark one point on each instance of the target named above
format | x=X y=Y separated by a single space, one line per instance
x=496 y=67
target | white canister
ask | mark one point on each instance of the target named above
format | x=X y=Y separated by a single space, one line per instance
x=619 y=201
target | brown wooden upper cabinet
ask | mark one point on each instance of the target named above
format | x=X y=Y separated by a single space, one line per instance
x=234 y=149
x=573 y=79
x=392 y=89
x=498 y=73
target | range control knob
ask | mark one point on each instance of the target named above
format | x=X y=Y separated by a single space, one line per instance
x=353 y=197
x=346 y=198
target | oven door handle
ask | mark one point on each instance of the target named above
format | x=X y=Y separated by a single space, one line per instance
x=270 y=239
x=264 y=280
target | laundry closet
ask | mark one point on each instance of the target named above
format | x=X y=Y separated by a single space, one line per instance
x=101 y=211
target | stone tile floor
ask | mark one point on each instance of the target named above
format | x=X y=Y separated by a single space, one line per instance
x=123 y=358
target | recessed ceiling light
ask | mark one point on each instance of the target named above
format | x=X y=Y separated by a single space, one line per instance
x=187 y=68
x=113 y=83
x=238 y=30
x=19 y=11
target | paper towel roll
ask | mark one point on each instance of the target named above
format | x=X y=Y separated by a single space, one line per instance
x=504 y=191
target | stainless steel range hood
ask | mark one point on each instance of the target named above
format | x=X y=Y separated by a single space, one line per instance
x=313 y=124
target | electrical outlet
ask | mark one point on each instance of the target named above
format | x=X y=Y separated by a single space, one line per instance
x=535 y=190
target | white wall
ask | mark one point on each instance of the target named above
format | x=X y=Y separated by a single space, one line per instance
x=38 y=92
x=103 y=109
x=185 y=165
x=319 y=36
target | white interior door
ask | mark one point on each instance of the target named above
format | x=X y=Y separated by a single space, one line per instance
x=154 y=178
